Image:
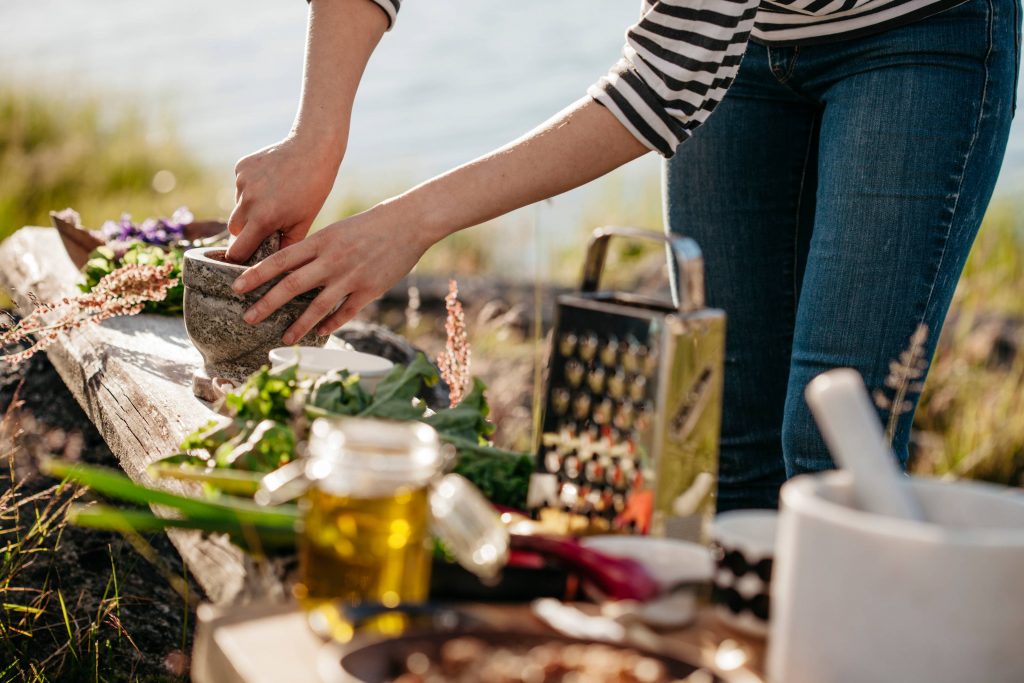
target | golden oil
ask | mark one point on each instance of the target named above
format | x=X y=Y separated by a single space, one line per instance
x=365 y=549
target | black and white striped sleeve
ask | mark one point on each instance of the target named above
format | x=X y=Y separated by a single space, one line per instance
x=678 y=61
x=390 y=8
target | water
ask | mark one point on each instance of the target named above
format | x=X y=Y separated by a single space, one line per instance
x=454 y=79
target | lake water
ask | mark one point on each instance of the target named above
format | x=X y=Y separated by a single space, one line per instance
x=454 y=79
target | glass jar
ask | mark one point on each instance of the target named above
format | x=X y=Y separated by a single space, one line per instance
x=373 y=492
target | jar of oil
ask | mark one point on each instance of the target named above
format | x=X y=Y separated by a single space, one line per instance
x=366 y=515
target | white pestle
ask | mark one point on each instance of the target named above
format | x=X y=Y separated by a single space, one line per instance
x=848 y=421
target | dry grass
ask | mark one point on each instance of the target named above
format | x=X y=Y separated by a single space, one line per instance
x=56 y=623
x=96 y=155
x=970 y=422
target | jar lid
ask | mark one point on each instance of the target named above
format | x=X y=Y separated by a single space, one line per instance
x=469 y=526
x=357 y=455
x=372 y=457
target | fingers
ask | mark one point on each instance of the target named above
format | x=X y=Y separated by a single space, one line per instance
x=248 y=239
x=294 y=235
x=346 y=312
x=237 y=220
x=274 y=265
x=319 y=309
x=294 y=284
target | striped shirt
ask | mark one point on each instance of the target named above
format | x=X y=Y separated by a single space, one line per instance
x=683 y=55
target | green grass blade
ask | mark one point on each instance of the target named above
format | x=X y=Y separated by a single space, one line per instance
x=26 y=609
x=67 y=624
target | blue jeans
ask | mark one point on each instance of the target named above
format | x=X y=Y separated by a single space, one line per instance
x=836 y=192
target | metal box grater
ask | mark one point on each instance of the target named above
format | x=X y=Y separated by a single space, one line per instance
x=633 y=404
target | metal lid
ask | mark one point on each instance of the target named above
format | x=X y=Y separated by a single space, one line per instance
x=469 y=526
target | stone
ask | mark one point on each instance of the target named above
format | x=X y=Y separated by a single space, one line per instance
x=231 y=348
x=269 y=246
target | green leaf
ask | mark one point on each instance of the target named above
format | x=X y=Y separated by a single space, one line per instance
x=265 y=395
x=213 y=434
x=339 y=393
x=393 y=399
x=502 y=476
x=265 y=447
x=103 y=261
x=468 y=420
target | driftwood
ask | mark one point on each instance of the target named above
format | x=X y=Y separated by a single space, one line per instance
x=132 y=378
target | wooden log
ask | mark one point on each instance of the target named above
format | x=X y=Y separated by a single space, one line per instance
x=132 y=378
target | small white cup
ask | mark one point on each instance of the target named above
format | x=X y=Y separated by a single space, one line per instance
x=314 y=362
x=743 y=547
x=863 y=597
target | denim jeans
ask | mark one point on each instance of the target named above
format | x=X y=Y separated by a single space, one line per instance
x=836 y=192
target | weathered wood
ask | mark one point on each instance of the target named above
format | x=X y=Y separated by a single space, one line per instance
x=132 y=378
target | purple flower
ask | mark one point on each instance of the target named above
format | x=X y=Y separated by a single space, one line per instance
x=111 y=231
x=158 y=231
x=128 y=229
x=181 y=217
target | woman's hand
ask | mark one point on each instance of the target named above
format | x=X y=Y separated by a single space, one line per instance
x=281 y=187
x=354 y=261
x=360 y=258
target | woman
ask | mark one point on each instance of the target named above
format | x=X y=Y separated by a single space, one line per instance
x=835 y=189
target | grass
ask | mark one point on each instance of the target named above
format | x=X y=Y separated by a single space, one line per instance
x=99 y=157
x=970 y=423
x=59 y=622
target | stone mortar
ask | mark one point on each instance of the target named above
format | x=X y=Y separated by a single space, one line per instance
x=231 y=348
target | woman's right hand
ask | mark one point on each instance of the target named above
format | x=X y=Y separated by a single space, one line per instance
x=281 y=187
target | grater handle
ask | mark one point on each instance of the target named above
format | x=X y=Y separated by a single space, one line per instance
x=687 y=276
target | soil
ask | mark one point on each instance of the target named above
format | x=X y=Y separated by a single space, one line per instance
x=149 y=634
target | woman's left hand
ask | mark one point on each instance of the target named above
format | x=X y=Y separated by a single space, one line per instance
x=354 y=261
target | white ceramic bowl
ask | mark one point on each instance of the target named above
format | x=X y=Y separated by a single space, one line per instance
x=314 y=362
x=862 y=597
x=669 y=561
x=744 y=550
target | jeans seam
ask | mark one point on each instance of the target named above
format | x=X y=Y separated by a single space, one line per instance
x=1016 y=55
x=782 y=80
x=792 y=64
x=966 y=161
